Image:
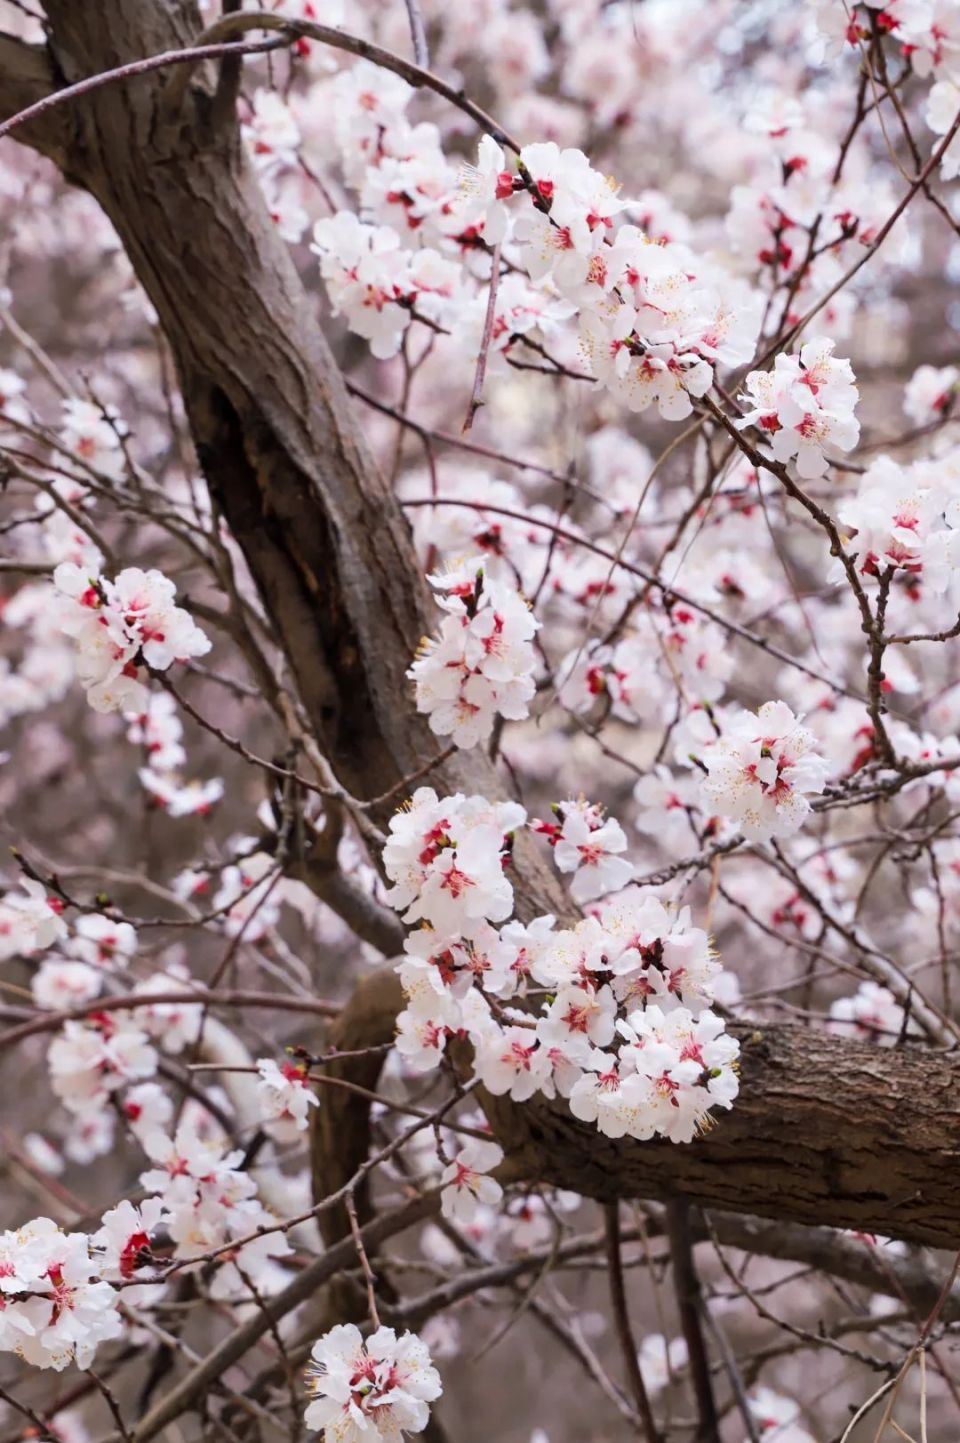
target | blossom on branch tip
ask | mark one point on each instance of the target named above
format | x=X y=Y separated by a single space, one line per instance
x=368 y=1390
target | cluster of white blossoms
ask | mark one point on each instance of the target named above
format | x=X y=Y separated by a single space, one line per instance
x=274 y=140
x=209 y=1201
x=30 y=920
x=482 y=663
x=804 y=406
x=654 y=317
x=625 y=1032
x=285 y=1098
x=55 y=1307
x=617 y=1014
x=101 y=1066
x=762 y=771
x=803 y=217
x=58 y=1291
x=636 y=678
x=906 y=520
x=370 y=1389
x=159 y=731
x=377 y=285
x=872 y=1013
x=121 y=627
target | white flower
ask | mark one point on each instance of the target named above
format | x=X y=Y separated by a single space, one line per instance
x=57 y=984
x=423 y=1028
x=510 y=1060
x=588 y=847
x=102 y=942
x=943 y=103
x=93 y=433
x=271 y=132
x=175 y=1024
x=617 y=1102
x=365 y=1391
x=181 y=799
x=660 y=1360
x=30 y=920
x=465 y=1183
x=776 y=1417
x=578 y=1019
x=483 y=188
x=285 y=1098
x=761 y=772
x=930 y=390
x=125 y=1236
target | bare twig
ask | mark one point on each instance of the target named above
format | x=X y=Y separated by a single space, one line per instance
x=621 y=1320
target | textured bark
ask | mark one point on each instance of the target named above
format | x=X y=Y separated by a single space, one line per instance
x=824 y=1131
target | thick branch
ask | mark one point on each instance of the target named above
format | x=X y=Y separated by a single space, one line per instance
x=826 y=1131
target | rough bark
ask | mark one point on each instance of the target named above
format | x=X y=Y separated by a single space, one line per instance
x=825 y=1131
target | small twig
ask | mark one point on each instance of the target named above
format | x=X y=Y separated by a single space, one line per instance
x=689 y=1302
x=733 y=1373
x=621 y=1319
x=418 y=35
x=106 y=1392
x=476 y=398
x=44 y=1431
x=368 y=1278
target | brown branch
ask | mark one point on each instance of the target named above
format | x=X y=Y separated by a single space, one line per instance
x=52 y=1021
x=686 y=1286
x=416 y=75
x=621 y=1321
x=39 y=109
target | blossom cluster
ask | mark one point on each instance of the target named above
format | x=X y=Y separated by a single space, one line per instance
x=905 y=522
x=625 y=1032
x=209 y=1201
x=804 y=405
x=482 y=663
x=56 y=1306
x=158 y=730
x=121 y=627
x=762 y=771
x=654 y=318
